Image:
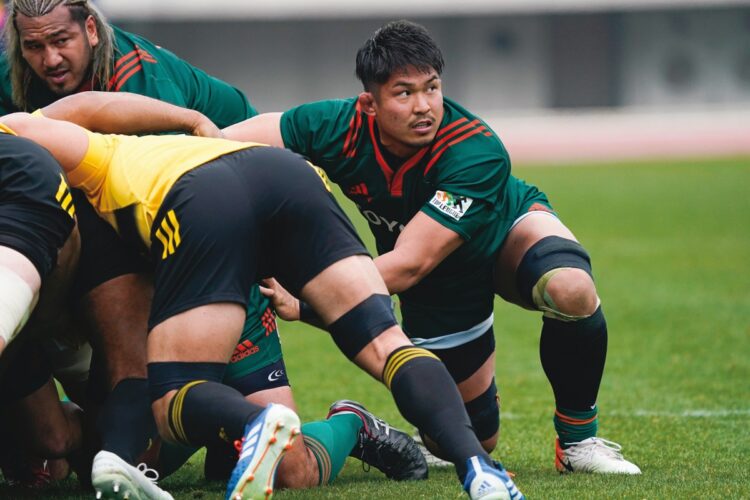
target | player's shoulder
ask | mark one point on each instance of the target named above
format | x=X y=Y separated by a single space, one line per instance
x=127 y=40
x=129 y=47
x=463 y=139
x=325 y=108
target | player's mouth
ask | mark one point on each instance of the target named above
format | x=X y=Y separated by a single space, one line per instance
x=57 y=77
x=423 y=126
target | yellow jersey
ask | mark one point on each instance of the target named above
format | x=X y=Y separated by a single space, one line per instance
x=120 y=171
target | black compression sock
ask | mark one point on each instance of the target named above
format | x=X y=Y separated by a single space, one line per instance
x=427 y=397
x=573 y=355
x=204 y=413
x=126 y=423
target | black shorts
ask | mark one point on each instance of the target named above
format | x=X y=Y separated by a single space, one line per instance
x=104 y=255
x=247 y=215
x=36 y=208
x=267 y=377
x=462 y=361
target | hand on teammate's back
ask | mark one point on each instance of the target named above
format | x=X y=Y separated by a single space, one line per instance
x=285 y=304
x=203 y=127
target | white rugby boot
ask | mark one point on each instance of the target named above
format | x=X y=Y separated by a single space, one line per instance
x=114 y=478
x=594 y=455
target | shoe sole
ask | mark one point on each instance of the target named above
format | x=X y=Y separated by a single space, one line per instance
x=115 y=485
x=280 y=429
x=111 y=480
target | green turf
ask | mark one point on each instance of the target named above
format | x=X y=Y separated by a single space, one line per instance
x=670 y=243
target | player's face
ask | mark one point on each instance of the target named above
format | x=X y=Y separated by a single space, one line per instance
x=408 y=109
x=58 y=49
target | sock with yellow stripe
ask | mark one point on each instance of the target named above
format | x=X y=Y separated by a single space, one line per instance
x=330 y=442
x=428 y=398
x=575 y=426
x=204 y=413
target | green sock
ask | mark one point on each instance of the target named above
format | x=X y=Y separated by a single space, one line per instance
x=331 y=441
x=575 y=426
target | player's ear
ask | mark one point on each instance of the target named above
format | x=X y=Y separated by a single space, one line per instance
x=367 y=103
x=91 y=32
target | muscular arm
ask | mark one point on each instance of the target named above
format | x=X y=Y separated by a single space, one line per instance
x=423 y=244
x=265 y=128
x=67 y=142
x=124 y=113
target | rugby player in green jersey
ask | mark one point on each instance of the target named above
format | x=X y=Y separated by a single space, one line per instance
x=61 y=47
x=453 y=228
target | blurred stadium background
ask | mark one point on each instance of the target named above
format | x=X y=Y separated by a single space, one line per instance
x=559 y=80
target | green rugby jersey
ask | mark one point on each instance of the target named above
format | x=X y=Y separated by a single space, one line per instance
x=143 y=68
x=462 y=180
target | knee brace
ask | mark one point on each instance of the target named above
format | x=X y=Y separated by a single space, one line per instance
x=484 y=412
x=164 y=377
x=541 y=262
x=361 y=324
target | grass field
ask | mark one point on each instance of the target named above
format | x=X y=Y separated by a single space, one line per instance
x=671 y=249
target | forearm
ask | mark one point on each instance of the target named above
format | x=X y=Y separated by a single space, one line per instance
x=398 y=273
x=122 y=113
x=265 y=128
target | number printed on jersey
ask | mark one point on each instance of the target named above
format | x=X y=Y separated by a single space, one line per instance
x=451 y=205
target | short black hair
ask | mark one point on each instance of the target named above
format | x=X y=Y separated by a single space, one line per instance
x=393 y=47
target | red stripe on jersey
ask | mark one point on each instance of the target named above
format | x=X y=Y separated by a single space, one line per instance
x=145 y=56
x=488 y=133
x=397 y=188
x=451 y=125
x=127 y=76
x=387 y=172
x=455 y=141
x=125 y=58
x=355 y=124
x=453 y=134
x=357 y=132
x=126 y=68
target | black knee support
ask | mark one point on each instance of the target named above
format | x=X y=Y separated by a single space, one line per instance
x=484 y=412
x=166 y=376
x=551 y=252
x=361 y=324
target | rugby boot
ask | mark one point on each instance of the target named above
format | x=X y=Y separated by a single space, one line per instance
x=489 y=481
x=113 y=477
x=594 y=455
x=266 y=439
x=379 y=445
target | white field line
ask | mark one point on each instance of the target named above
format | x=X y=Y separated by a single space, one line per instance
x=719 y=413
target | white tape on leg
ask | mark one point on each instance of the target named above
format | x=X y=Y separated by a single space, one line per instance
x=17 y=301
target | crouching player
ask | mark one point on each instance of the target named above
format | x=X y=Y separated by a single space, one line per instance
x=168 y=192
x=257 y=370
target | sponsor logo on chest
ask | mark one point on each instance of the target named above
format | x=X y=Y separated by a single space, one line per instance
x=378 y=220
x=451 y=205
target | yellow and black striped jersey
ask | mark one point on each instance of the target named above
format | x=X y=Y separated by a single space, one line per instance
x=120 y=171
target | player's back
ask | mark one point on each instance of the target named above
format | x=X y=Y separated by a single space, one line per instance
x=122 y=171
